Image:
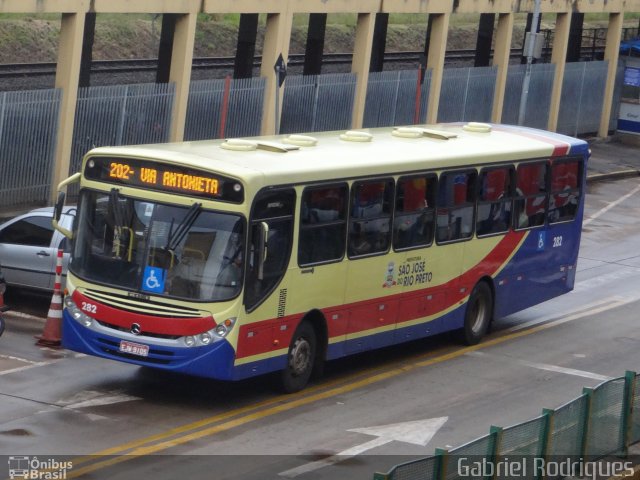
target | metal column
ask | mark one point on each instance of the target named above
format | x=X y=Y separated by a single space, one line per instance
x=87 y=49
x=246 y=46
x=166 y=47
x=483 y=42
x=379 y=42
x=315 y=44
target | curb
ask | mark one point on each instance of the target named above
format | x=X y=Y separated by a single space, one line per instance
x=24 y=316
x=599 y=177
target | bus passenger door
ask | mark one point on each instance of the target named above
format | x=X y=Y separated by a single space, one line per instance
x=269 y=251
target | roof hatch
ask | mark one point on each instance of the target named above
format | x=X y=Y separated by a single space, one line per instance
x=417 y=132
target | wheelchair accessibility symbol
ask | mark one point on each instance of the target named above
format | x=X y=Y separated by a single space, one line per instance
x=541 y=241
x=153 y=280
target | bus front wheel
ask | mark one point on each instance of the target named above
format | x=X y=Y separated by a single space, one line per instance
x=300 y=359
x=478 y=314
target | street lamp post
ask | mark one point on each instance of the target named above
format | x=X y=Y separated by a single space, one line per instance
x=530 y=44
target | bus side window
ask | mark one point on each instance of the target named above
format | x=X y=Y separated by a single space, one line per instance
x=456 y=206
x=531 y=195
x=275 y=208
x=370 y=219
x=565 y=190
x=495 y=193
x=323 y=224
x=413 y=225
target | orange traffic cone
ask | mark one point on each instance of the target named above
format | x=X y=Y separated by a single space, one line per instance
x=51 y=335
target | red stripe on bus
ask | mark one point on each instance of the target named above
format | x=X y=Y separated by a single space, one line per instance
x=560 y=147
x=178 y=326
x=274 y=334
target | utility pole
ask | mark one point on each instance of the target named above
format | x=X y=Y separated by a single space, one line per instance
x=530 y=43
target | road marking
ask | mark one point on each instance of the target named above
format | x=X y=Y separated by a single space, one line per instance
x=25 y=367
x=24 y=360
x=92 y=398
x=610 y=206
x=417 y=432
x=283 y=403
x=544 y=366
x=606 y=278
x=564 y=317
x=30 y=364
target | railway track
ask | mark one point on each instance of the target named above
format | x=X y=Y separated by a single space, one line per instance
x=203 y=63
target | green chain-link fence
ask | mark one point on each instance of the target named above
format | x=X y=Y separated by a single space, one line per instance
x=602 y=421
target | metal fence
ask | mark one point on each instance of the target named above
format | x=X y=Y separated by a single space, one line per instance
x=604 y=420
x=28 y=126
x=467 y=94
x=582 y=94
x=121 y=115
x=242 y=102
x=315 y=103
x=538 y=99
x=394 y=96
x=134 y=114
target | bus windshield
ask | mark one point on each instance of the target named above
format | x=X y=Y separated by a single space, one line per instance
x=153 y=248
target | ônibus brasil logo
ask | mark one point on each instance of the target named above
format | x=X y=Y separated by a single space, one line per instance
x=33 y=468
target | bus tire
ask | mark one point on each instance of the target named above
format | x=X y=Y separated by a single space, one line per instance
x=300 y=359
x=478 y=314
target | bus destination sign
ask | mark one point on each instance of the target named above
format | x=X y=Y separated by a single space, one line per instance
x=163 y=177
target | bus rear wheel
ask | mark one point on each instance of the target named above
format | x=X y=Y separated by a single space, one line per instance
x=300 y=359
x=478 y=314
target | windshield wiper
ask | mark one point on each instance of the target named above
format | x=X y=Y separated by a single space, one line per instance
x=175 y=237
x=116 y=207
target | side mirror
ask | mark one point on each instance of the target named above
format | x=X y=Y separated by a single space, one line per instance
x=57 y=210
x=263 y=241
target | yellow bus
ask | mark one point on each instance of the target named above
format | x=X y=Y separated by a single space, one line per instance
x=229 y=259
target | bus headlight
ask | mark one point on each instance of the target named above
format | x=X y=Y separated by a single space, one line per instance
x=77 y=314
x=223 y=329
x=69 y=303
x=219 y=332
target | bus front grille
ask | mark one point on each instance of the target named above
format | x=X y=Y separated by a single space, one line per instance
x=144 y=334
x=144 y=307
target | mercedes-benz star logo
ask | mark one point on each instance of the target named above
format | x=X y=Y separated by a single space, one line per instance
x=136 y=329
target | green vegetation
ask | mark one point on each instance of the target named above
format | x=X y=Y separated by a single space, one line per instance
x=34 y=37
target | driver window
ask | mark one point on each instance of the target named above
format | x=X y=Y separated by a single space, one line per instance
x=275 y=209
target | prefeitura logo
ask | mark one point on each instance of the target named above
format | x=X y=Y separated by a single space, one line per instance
x=37 y=469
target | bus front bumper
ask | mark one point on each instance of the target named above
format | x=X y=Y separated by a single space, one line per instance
x=211 y=361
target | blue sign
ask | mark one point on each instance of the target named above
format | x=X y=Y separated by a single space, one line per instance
x=632 y=76
x=541 y=240
x=153 y=280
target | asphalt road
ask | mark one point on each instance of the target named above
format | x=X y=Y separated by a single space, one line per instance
x=142 y=423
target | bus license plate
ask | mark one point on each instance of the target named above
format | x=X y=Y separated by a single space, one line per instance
x=134 y=348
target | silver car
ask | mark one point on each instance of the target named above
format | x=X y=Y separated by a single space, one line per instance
x=29 y=246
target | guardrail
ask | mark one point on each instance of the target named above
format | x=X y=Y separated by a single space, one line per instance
x=604 y=420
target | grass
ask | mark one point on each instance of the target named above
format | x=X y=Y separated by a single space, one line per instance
x=34 y=37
